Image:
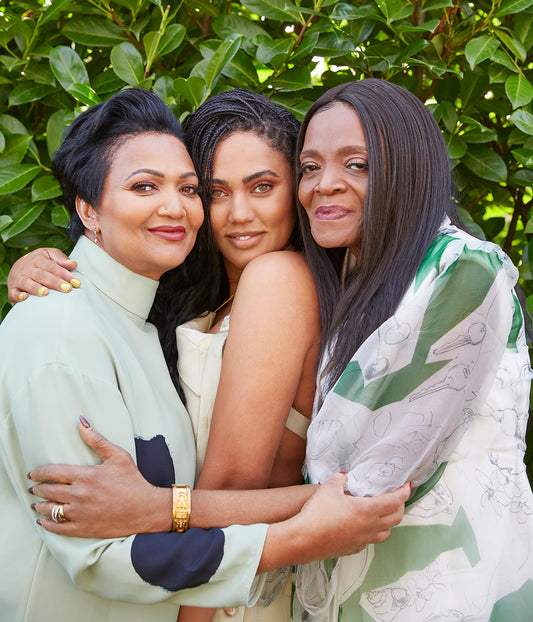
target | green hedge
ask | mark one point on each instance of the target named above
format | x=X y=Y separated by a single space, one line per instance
x=470 y=62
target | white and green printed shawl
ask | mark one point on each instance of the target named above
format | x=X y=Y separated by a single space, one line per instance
x=438 y=395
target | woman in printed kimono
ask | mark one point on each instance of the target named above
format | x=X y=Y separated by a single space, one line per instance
x=425 y=371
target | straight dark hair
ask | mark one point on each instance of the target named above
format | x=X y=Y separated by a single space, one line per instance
x=408 y=195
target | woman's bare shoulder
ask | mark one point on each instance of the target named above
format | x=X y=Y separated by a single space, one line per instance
x=278 y=269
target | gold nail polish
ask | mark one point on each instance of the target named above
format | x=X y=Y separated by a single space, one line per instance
x=65 y=287
x=75 y=283
x=41 y=291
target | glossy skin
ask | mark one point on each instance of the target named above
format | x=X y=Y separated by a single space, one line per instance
x=149 y=211
x=251 y=211
x=334 y=168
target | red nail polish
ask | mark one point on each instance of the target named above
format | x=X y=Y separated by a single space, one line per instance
x=84 y=422
x=342 y=472
x=410 y=485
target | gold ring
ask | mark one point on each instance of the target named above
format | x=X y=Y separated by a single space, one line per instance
x=58 y=513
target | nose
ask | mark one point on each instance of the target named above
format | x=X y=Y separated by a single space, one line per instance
x=239 y=209
x=172 y=205
x=329 y=180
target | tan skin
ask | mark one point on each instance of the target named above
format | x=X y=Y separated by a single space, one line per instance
x=278 y=316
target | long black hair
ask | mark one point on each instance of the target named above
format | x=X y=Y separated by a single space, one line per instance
x=200 y=284
x=408 y=195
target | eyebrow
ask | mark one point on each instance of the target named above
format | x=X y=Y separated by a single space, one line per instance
x=159 y=174
x=343 y=150
x=248 y=179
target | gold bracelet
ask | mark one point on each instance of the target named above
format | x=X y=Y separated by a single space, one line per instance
x=181 y=507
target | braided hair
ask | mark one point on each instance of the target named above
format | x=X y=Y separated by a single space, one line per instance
x=200 y=284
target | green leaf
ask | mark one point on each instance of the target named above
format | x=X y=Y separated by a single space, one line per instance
x=226 y=26
x=21 y=224
x=193 y=89
x=93 y=31
x=29 y=92
x=524 y=157
x=10 y=125
x=53 y=9
x=485 y=163
x=16 y=176
x=273 y=9
x=170 y=40
x=331 y=45
x=449 y=115
x=395 y=10
x=519 y=90
x=293 y=79
x=479 y=49
x=60 y=216
x=306 y=47
x=164 y=88
x=273 y=51
x=512 y=44
x=127 y=63
x=343 y=10
x=84 y=94
x=10 y=63
x=220 y=59
x=16 y=146
x=68 y=67
x=509 y=7
x=2 y=142
x=107 y=82
x=242 y=69
x=431 y=5
x=523 y=121
x=456 y=147
x=5 y=221
x=521 y=177
x=44 y=188
x=55 y=127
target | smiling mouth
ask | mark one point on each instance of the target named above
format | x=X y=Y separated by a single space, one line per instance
x=171 y=234
x=331 y=212
x=245 y=240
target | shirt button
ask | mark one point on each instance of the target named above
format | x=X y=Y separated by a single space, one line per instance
x=231 y=611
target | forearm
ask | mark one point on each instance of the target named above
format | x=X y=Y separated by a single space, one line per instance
x=221 y=508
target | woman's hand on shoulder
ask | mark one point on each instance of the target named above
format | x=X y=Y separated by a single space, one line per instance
x=39 y=271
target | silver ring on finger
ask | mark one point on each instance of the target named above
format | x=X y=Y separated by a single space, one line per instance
x=58 y=513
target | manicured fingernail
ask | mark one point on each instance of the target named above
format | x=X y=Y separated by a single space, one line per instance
x=410 y=485
x=66 y=287
x=84 y=422
x=28 y=475
x=33 y=506
x=42 y=291
x=342 y=472
x=75 y=283
x=30 y=490
x=22 y=296
x=38 y=521
x=71 y=260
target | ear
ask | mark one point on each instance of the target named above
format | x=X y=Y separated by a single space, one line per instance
x=87 y=214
